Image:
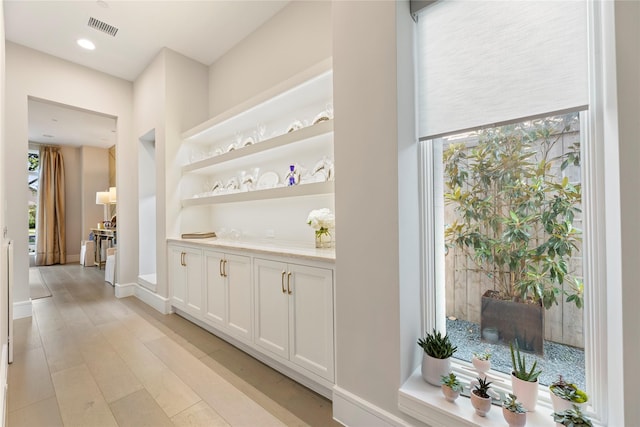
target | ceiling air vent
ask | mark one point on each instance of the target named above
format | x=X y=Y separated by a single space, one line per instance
x=102 y=26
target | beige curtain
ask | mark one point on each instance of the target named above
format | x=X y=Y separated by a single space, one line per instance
x=50 y=230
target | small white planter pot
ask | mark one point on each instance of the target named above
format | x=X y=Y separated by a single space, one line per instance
x=433 y=369
x=450 y=394
x=482 y=405
x=560 y=404
x=481 y=366
x=526 y=391
x=514 y=419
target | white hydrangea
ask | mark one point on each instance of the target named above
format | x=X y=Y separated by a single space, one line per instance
x=320 y=219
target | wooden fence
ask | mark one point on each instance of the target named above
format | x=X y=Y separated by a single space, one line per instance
x=464 y=285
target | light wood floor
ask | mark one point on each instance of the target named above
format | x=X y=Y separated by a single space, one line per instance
x=87 y=358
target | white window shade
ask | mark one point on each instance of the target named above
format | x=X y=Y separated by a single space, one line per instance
x=487 y=62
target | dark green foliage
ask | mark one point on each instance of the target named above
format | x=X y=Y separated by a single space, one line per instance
x=482 y=388
x=437 y=345
x=514 y=211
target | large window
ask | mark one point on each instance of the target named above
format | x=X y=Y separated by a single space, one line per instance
x=508 y=182
x=508 y=218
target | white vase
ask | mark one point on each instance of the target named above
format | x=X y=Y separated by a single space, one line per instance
x=450 y=394
x=514 y=419
x=433 y=369
x=526 y=391
x=481 y=366
x=560 y=404
x=482 y=405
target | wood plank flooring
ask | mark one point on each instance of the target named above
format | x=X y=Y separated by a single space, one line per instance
x=87 y=358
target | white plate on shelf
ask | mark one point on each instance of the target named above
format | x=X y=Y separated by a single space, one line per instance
x=268 y=180
x=322 y=117
x=248 y=141
x=232 y=184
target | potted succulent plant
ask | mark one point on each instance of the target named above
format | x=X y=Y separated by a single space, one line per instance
x=572 y=417
x=436 y=360
x=514 y=221
x=524 y=383
x=481 y=362
x=451 y=387
x=514 y=413
x=480 y=397
x=564 y=395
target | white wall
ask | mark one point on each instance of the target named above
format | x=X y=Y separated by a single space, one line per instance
x=187 y=83
x=171 y=96
x=149 y=93
x=296 y=38
x=376 y=163
x=94 y=173
x=32 y=73
x=627 y=17
x=3 y=200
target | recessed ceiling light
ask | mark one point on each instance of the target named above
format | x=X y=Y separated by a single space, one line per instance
x=87 y=44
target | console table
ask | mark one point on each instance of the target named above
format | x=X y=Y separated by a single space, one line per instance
x=103 y=236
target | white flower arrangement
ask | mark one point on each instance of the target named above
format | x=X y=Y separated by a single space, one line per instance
x=321 y=219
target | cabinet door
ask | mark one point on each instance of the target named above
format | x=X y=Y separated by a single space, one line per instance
x=271 y=307
x=215 y=310
x=237 y=270
x=311 y=319
x=177 y=277
x=194 y=291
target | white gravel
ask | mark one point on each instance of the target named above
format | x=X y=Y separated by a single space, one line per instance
x=557 y=359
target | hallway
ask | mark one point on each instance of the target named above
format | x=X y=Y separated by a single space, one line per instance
x=87 y=358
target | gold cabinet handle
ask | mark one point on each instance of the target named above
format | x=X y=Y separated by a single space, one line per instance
x=182 y=260
x=220 y=269
x=289 y=283
x=224 y=268
x=282 y=281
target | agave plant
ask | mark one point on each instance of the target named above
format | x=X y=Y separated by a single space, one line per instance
x=482 y=388
x=520 y=366
x=437 y=345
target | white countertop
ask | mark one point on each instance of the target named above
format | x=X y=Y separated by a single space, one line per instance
x=294 y=250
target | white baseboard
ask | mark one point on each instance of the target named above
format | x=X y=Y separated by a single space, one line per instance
x=351 y=410
x=160 y=303
x=22 y=309
x=125 y=290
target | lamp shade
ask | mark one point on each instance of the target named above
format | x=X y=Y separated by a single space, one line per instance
x=112 y=195
x=102 y=198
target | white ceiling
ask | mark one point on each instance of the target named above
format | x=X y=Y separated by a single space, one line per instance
x=201 y=30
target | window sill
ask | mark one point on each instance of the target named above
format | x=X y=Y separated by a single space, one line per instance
x=426 y=403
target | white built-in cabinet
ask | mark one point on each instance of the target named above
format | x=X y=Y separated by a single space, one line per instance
x=228 y=288
x=275 y=304
x=294 y=314
x=279 y=306
x=185 y=275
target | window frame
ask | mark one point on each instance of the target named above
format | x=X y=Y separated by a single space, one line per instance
x=598 y=296
x=433 y=279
